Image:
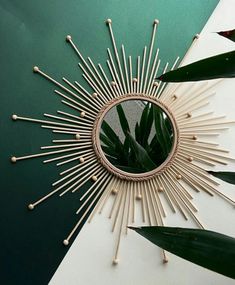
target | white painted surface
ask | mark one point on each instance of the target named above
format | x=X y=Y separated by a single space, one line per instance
x=89 y=258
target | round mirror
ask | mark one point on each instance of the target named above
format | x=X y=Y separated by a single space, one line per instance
x=136 y=136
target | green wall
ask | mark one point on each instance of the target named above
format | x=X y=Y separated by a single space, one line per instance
x=33 y=33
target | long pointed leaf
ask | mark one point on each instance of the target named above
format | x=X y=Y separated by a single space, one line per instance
x=123 y=120
x=148 y=128
x=219 y=66
x=141 y=155
x=209 y=249
x=228 y=34
x=226 y=176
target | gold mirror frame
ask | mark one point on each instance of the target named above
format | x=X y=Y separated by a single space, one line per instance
x=184 y=169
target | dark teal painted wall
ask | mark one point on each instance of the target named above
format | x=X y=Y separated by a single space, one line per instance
x=33 y=33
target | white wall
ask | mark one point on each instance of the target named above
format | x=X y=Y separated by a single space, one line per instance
x=89 y=258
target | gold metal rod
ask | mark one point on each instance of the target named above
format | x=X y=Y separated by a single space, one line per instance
x=107 y=81
x=115 y=71
x=116 y=54
x=131 y=75
x=192 y=106
x=102 y=199
x=76 y=131
x=158 y=181
x=180 y=192
x=80 y=158
x=100 y=95
x=15 y=117
x=190 y=121
x=69 y=39
x=188 y=155
x=196 y=170
x=66 y=241
x=152 y=88
x=193 y=92
x=107 y=92
x=78 y=186
x=133 y=202
x=156 y=202
x=71 y=141
x=95 y=186
x=125 y=68
x=142 y=70
x=167 y=189
x=119 y=205
x=78 y=118
x=151 y=199
x=193 y=181
x=85 y=95
x=189 y=210
x=160 y=82
x=188 y=139
x=64 y=156
x=87 y=100
x=156 y=22
x=196 y=117
x=159 y=203
x=88 y=126
x=37 y=70
x=64 y=132
x=116 y=203
x=173 y=176
x=88 y=172
x=85 y=165
x=207 y=154
x=128 y=201
x=151 y=79
x=147 y=203
x=114 y=79
x=104 y=176
x=164 y=84
x=80 y=146
x=211 y=148
x=90 y=112
x=107 y=194
x=115 y=259
x=86 y=156
x=14 y=159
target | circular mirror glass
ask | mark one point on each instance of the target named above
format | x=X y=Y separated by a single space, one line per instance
x=136 y=136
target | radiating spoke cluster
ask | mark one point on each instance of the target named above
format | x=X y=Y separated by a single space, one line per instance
x=184 y=173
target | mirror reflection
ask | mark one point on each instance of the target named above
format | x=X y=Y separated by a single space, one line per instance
x=136 y=136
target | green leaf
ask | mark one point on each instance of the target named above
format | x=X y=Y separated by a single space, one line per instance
x=143 y=123
x=226 y=176
x=141 y=155
x=137 y=133
x=162 y=133
x=106 y=141
x=148 y=128
x=228 y=34
x=219 y=66
x=122 y=118
x=209 y=249
x=108 y=131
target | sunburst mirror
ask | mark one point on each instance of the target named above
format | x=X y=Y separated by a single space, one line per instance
x=134 y=137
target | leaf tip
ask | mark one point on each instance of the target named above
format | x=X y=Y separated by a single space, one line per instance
x=134 y=228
